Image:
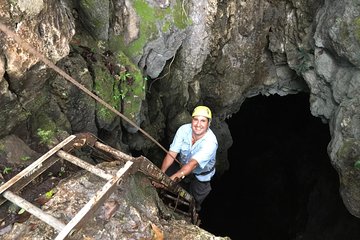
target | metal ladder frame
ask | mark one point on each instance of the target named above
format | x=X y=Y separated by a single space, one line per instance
x=8 y=189
x=61 y=150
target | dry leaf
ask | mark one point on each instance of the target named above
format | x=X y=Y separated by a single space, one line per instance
x=158 y=234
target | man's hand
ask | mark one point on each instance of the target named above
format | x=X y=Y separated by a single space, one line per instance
x=157 y=185
x=175 y=178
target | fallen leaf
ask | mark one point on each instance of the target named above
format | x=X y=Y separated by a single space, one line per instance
x=158 y=234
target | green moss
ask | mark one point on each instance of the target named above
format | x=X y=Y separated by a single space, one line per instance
x=95 y=15
x=33 y=105
x=357 y=164
x=166 y=26
x=132 y=87
x=350 y=151
x=345 y=150
x=181 y=20
x=2 y=148
x=45 y=128
x=357 y=28
x=303 y=59
x=89 y=4
x=146 y=12
x=107 y=89
x=147 y=26
x=152 y=19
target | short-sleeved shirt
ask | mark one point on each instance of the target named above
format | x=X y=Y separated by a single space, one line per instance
x=203 y=151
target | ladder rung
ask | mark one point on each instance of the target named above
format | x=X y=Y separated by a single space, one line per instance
x=33 y=170
x=91 y=168
x=176 y=199
x=93 y=204
x=37 y=212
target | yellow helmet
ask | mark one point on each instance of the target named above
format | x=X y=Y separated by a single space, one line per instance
x=202 y=111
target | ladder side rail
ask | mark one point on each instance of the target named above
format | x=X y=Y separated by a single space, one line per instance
x=90 y=207
x=150 y=169
x=87 y=166
x=155 y=173
x=32 y=171
x=29 y=170
x=114 y=152
x=37 y=212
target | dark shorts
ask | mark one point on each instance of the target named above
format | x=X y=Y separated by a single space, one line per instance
x=199 y=190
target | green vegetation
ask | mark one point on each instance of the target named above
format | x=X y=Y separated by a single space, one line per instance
x=24 y=158
x=357 y=28
x=132 y=86
x=125 y=90
x=107 y=89
x=357 y=164
x=45 y=136
x=152 y=19
x=303 y=62
x=50 y=193
x=21 y=211
x=62 y=171
x=2 y=147
x=166 y=27
x=349 y=151
x=7 y=170
x=125 y=76
x=181 y=20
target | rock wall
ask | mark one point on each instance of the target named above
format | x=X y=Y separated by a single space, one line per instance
x=156 y=69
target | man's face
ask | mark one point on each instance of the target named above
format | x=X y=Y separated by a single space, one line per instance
x=199 y=125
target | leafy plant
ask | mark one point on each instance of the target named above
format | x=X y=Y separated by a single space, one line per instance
x=7 y=170
x=45 y=135
x=24 y=158
x=303 y=61
x=124 y=76
x=104 y=112
x=49 y=194
x=144 y=85
x=62 y=171
x=21 y=211
x=357 y=164
x=117 y=97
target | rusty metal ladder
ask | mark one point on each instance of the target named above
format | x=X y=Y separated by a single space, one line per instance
x=8 y=189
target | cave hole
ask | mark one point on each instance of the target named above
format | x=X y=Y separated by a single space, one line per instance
x=280 y=184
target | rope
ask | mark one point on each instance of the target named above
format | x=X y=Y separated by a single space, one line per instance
x=31 y=50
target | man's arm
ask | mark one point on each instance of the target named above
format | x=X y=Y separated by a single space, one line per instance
x=168 y=160
x=185 y=170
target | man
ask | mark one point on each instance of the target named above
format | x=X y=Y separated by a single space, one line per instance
x=197 y=145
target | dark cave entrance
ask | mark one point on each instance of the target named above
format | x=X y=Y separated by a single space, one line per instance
x=280 y=184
